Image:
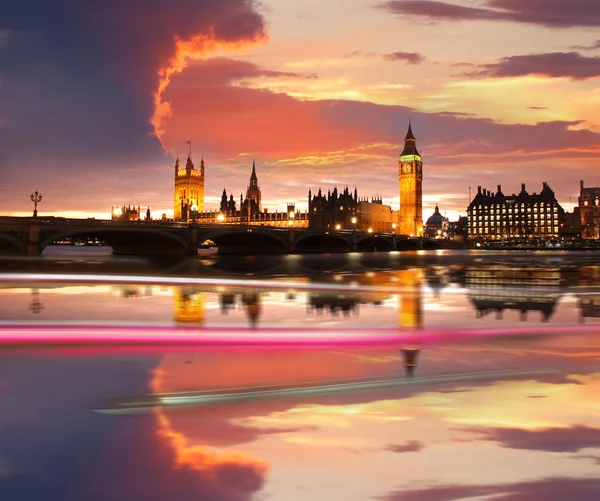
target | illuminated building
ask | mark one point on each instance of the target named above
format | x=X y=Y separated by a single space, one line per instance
x=410 y=173
x=189 y=190
x=327 y=211
x=498 y=216
x=589 y=210
x=189 y=306
x=250 y=211
x=345 y=211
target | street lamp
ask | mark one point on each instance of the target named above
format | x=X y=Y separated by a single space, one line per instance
x=36 y=198
x=291 y=217
x=220 y=218
x=194 y=212
x=393 y=227
x=338 y=226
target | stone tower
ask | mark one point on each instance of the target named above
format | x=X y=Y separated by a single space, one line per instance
x=410 y=174
x=189 y=189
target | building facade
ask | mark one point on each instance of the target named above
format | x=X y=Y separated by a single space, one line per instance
x=497 y=216
x=437 y=225
x=189 y=190
x=410 y=174
x=589 y=211
x=335 y=208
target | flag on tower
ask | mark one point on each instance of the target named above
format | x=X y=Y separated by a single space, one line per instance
x=188 y=142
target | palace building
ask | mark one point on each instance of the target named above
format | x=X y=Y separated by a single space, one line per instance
x=410 y=174
x=189 y=190
x=498 y=216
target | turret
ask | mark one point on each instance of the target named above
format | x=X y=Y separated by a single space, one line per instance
x=176 y=166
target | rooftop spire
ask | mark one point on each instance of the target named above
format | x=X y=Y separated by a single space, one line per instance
x=409 y=134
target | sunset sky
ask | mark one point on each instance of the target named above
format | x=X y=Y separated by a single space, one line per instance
x=97 y=98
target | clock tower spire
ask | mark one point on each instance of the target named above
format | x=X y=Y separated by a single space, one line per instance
x=410 y=174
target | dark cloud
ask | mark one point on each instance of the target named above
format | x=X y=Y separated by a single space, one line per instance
x=553 y=65
x=537 y=108
x=79 y=78
x=407 y=57
x=549 y=13
x=573 y=489
x=570 y=439
x=409 y=446
x=225 y=71
x=594 y=46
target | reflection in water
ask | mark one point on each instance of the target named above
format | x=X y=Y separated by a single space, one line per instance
x=410 y=356
x=410 y=298
x=189 y=306
x=36 y=305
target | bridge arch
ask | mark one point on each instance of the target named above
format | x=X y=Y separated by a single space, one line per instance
x=323 y=242
x=408 y=244
x=247 y=241
x=12 y=244
x=130 y=240
x=370 y=243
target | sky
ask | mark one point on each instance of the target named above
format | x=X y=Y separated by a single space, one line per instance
x=97 y=99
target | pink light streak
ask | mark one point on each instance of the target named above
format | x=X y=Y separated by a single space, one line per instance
x=148 y=335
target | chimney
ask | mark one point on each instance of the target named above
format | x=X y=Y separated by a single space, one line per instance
x=479 y=189
x=522 y=186
x=581 y=185
x=499 y=188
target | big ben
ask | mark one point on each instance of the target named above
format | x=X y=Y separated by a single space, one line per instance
x=410 y=174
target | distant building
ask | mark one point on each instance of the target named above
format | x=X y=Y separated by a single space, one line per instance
x=498 y=216
x=333 y=209
x=345 y=211
x=589 y=211
x=250 y=210
x=437 y=225
x=129 y=213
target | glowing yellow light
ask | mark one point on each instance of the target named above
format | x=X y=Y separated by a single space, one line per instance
x=291 y=215
x=370 y=230
x=221 y=218
x=195 y=208
x=353 y=220
x=117 y=212
x=338 y=226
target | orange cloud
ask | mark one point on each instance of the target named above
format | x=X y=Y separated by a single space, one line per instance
x=194 y=48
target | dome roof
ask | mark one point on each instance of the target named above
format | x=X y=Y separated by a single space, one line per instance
x=436 y=219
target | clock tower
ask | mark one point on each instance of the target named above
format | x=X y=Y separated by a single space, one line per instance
x=410 y=174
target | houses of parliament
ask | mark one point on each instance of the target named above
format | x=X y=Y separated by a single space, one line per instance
x=336 y=209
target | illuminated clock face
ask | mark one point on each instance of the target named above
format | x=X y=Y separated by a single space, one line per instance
x=405 y=168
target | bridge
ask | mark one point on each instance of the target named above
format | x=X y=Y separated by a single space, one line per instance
x=31 y=235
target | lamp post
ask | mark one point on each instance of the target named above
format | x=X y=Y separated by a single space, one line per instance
x=221 y=218
x=36 y=198
x=194 y=212
x=393 y=227
x=291 y=217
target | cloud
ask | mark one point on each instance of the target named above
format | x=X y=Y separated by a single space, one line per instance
x=88 y=78
x=548 y=13
x=407 y=57
x=552 y=65
x=575 y=489
x=594 y=46
x=571 y=439
x=537 y=108
x=409 y=446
